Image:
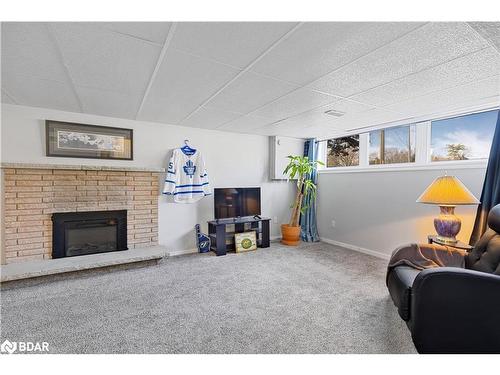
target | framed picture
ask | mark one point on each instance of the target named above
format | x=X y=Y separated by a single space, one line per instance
x=245 y=241
x=71 y=140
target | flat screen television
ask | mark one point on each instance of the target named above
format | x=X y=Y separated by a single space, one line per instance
x=236 y=202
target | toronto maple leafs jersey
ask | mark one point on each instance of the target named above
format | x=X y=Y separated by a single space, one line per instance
x=187 y=178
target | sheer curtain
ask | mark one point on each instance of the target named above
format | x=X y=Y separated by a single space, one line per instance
x=308 y=227
x=490 y=196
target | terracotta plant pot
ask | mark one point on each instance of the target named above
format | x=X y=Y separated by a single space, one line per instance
x=290 y=235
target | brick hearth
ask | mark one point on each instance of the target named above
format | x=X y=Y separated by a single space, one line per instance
x=33 y=194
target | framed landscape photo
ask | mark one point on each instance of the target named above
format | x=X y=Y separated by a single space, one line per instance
x=71 y=140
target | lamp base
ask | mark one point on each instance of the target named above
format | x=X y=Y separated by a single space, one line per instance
x=447 y=225
x=447 y=240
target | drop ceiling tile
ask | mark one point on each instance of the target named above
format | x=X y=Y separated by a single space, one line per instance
x=485 y=91
x=489 y=31
x=244 y=124
x=470 y=68
x=27 y=49
x=312 y=132
x=370 y=118
x=356 y=116
x=296 y=102
x=318 y=48
x=181 y=85
x=270 y=131
x=233 y=43
x=6 y=98
x=43 y=93
x=348 y=107
x=318 y=118
x=288 y=130
x=321 y=133
x=249 y=92
x=155 y=32
x=108 y=103
x=296 y=124
x=101 y=59
x=428 y=46
x=209 y=118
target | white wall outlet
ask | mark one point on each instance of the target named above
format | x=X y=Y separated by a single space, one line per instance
x=275 y=220
x=333 y=223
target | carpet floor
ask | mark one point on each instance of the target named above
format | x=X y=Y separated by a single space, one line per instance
x=315 y=298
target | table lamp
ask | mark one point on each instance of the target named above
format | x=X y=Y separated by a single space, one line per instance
x=447 y=192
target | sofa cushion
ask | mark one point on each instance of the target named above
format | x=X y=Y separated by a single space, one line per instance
x=399 y=283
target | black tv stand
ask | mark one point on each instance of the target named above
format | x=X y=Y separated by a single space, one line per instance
x=222 y=237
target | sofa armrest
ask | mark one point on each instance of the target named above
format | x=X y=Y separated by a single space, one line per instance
x=455 y=310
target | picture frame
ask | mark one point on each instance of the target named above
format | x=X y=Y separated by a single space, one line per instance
x=74 y=140
x=245 y=241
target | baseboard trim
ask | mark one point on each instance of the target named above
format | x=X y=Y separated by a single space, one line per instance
x=374 y=253
x=182 y=252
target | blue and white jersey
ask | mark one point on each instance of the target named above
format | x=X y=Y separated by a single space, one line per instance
x=187 y=178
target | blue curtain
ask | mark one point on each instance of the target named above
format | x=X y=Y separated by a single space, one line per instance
x=490 y=196
x=308 y=227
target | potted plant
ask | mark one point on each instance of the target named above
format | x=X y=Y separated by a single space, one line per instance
x=300 y=168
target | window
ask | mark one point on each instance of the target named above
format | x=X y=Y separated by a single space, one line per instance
x=392 y=145
x=463 y=138
x=343 y=152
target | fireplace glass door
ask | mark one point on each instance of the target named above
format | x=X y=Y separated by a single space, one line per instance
x=94 y=232
x=91 y=237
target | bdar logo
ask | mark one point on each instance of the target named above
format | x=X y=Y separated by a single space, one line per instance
x=8 y=347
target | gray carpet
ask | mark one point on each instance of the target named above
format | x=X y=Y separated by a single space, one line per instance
x=316 y=298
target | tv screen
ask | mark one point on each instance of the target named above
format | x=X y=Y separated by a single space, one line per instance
x=236 y=202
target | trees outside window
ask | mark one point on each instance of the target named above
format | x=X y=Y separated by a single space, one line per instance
x=466 y=137
x=392 y=145
x=343 y=152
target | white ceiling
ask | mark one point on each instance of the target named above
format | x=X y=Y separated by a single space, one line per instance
x=253 y=77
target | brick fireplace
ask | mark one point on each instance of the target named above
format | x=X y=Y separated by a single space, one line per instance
x=32 y=193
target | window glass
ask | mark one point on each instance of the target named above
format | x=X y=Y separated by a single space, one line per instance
x=375 y=154
x=466 y=137
x=343 y=152
x=392 y=145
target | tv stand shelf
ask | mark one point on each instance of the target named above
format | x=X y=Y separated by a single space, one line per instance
x=222 y=232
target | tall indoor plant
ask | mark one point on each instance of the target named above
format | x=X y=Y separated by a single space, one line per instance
x=300 y=168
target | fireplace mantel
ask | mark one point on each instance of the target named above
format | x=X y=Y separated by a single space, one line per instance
x=81 y=167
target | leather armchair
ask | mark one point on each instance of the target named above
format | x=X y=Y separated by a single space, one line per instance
x=454 y=310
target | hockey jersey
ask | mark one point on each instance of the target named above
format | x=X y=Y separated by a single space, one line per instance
x=187 y=178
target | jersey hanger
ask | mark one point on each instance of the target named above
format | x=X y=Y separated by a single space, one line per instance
x=186 y=149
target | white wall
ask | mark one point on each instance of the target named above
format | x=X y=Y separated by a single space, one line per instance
x=377 y=210
x=232 y=160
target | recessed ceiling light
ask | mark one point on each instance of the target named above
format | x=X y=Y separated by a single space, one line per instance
x=334 y=113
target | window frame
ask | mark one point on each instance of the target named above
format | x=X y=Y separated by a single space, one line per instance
x=383 y=143
x=422 y=147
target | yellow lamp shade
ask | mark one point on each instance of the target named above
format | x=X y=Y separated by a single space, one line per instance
x=447 y=191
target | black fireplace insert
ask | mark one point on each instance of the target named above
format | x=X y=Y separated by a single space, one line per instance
x=82 y=233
